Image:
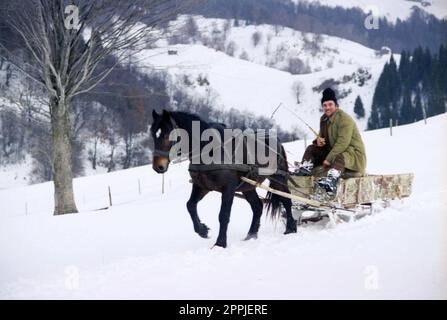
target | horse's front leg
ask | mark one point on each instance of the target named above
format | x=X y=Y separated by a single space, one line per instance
x=197 y=194
x=224 y=215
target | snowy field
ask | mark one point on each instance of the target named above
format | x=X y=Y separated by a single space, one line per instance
x=144 y=245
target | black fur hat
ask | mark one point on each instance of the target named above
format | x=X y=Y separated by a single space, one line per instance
x=328 y=94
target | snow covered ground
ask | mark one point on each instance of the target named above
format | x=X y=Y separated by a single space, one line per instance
x=144 y=245
x=15 y=175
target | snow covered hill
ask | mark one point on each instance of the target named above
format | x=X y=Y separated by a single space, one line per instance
x=252 y=77
x=391 y=9
x=144 y=245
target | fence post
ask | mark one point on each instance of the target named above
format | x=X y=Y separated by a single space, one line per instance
x=110 y=197
x=139 y=187
x=305 y=142
x=163 y=183
x=26 y=208
x=391 y=127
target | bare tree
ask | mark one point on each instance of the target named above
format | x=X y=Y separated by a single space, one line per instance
x=191 y=29
x=231 y=48
x=256 y=38
x=66 y=56
x=297 y=89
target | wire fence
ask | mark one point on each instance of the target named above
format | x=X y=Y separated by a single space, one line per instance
x=38 y=199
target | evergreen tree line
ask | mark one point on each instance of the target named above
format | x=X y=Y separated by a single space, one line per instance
x=349 y=23
x=415 y=89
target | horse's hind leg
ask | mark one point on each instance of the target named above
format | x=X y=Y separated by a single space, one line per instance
x=197 y=194
x=256 y=205
x=286 y=202
x=290 y=223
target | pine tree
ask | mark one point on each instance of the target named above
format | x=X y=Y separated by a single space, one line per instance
x=427 y=69
x=422 y=76
x=406 y=115
x=395 y=91
x=380 y=98
x=359 y=110
x=442 y=63
x=436 y=101
x=373 y=119
x=404 y=68
x=416 y=68
x=418 y=108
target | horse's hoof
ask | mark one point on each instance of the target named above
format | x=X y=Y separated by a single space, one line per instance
x=290 y=231
x=251 y=236
x=221 y=244
x=202 y=230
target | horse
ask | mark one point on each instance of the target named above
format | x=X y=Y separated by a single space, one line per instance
x=223 y=179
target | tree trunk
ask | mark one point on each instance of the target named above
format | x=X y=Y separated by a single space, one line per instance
x=63 y=175
x=95 y=150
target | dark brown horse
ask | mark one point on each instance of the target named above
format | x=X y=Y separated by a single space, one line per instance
x=224 y=179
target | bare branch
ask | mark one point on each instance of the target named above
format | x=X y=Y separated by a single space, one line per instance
x=67 y=60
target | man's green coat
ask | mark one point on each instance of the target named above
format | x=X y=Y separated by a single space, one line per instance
x=344 y=137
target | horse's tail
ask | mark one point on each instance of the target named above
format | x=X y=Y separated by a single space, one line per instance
x=273 y=201
x=273 y=205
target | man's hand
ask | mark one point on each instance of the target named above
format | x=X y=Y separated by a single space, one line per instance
x=326 y=163
x=321 y=142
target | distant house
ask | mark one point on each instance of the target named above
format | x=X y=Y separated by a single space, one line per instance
x=172 y=52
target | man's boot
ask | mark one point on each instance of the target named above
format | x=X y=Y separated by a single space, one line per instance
x=329 y=183
x=304 y=170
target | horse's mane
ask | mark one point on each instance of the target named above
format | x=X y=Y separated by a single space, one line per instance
x=186 y=116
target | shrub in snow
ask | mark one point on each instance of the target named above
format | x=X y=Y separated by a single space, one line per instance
x=244 y=56
x=256 y=38
x=296 y=66
x=231 y=48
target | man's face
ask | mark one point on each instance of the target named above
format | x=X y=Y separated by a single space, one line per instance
x=329 y=107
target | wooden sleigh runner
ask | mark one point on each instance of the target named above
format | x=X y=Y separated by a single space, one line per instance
x=354 y=197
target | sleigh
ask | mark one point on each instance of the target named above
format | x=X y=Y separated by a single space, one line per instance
x=353 y=199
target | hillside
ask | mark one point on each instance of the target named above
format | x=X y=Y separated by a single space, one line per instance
x=257 y=78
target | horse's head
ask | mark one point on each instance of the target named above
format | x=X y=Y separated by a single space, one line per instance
x=162 y=126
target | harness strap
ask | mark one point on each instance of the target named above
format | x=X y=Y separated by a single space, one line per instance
x=158 y=152
x=162 y=153
x=253 y=169
x=210 y=167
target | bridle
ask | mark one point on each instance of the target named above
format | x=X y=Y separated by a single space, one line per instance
x=163 y=153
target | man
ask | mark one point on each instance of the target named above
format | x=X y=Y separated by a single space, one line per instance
x=338 y=146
